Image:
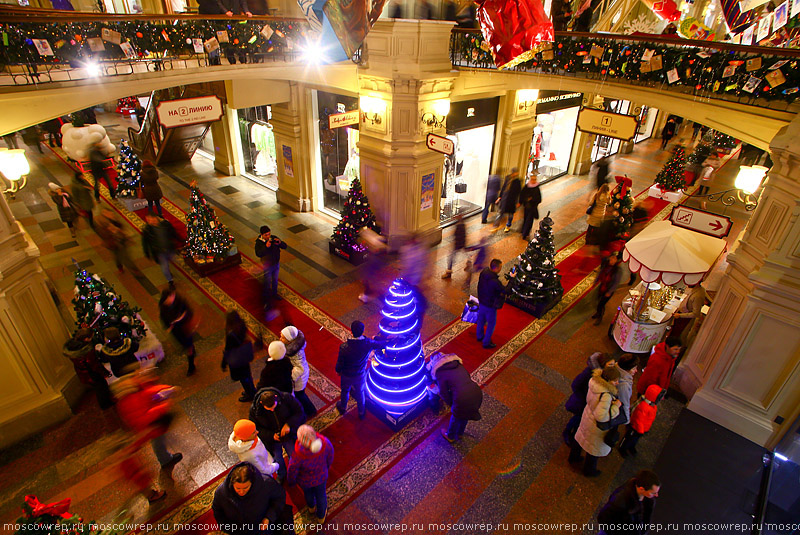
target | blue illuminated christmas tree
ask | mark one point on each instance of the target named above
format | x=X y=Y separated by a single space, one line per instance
x=396 y=382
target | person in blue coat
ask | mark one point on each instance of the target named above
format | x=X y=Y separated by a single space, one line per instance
x=247 y=503
x=492 y=192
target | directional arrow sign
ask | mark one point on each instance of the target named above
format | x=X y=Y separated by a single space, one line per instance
x=701 y=221
x=440 y=144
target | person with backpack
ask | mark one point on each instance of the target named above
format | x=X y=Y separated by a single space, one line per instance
x=642 y=418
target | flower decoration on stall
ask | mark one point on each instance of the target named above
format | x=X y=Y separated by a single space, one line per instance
x=207 y=240
x=537 y=279
x=397 y=381
x=671 y=176
x=621 y=207
x=98 y=306
x=356 y=214
x=514 y=29
x=129 y=171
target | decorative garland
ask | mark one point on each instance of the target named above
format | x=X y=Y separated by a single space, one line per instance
x=705 y=71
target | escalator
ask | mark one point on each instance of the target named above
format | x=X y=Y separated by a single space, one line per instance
x=167 y=145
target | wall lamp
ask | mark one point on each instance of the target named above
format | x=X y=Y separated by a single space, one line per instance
x=438 y=113
x=747 y=183
x=526 y=98
x=15 y=167
x=372 y=109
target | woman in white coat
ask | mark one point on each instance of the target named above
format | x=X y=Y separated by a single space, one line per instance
x=602 y=405
x=295 y=343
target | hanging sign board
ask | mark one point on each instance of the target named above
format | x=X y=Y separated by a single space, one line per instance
x=701 y=221
x=183 y=112
x=339 y=120
x=440 y=144
x=606 y=123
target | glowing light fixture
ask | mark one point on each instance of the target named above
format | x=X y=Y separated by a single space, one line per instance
x=372 y=108
x=527 y=98
x=15 y=167
x=439 y=110
x=93 y=69
x=749 y=178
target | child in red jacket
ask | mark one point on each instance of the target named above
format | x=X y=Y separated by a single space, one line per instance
x=308 y=468
x=642 y=417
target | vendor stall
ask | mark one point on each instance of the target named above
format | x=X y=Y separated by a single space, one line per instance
x=668 y=259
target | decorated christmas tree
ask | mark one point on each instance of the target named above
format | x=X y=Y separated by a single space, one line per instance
x=396 y=382
x=621 y=208
x=671 y=176
x=129 y=170
x=723 y=141
x=700 y=153
x=356 y=214
x=537 y=279
x=97 y=306
x=206 y=238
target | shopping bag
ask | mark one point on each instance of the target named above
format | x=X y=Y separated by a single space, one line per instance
x=470 y=313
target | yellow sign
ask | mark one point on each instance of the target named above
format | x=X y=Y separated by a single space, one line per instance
x=606 y=123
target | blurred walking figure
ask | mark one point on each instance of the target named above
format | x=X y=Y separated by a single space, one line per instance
x=530 y=197
x=459 y=244
x=150 y=188
x=492 y=192
x=608 y=279
x=597 y=216
x=65 y=206
x=116 y=239
x=414 y=264
x=479 y=260
x=158 y=242
x=32 y=137
x=376 y=244
x=179 y=320
x=706 y=177
x=82 y=194
x=238 y=354
x=668 y=132
x=509 y=197
x=601 y=172
x=97 y=163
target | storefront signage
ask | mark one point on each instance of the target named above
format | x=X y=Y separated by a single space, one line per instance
x=440 y=144
x=701 y=221
x=548 y=101
x=343 y=119
x=606 y=123
x=469 y=114
x=187 y=111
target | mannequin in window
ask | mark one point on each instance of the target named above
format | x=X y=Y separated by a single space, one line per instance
x=536 y=147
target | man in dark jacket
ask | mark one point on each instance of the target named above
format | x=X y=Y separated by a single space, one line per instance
x=268 y=249
x=458 y=390
x=580 y=388
x=247 y=503
x=80 y=351
x=491 y=295
x=352 y=367
x=492 y=191
x=97 y=163
x=630 y=507
x=277 y=416
x=459 y=244
x=509 y=197
x=158 y=243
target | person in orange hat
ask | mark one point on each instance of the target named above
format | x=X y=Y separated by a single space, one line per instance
x=245 y=444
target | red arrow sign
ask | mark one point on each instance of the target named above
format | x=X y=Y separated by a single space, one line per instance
x=439 y=144
x=701 y=221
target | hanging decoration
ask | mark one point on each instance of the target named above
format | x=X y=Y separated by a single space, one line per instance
x=692 y=28
x=641 y=24
x=664 y=9
x=514 y=29
x=351 y=21
x=736 y=20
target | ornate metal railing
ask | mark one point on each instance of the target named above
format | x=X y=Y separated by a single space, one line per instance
x=38 y=48
x=765 y=77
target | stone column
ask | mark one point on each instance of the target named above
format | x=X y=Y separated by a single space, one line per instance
x=581 y=160
x=37 y=384
x=744 y=367
x=291 y=122
x=226 y=146
x=515 y=123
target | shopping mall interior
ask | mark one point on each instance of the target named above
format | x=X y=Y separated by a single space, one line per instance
x=254 y=120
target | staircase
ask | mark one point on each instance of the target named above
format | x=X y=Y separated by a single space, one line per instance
x=168 y=145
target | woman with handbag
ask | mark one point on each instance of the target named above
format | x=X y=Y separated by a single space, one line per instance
x=599 y=415
x=597 y=215
x=179 y=320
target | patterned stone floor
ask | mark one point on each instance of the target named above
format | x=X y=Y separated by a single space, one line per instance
x=511 y=466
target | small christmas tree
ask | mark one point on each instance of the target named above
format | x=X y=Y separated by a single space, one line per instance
x=700 y=153
x=723 y=141
x=537 y=278
x=129 y=170
x=671 y=177
x=206 y=238
x=621 y=208
x=97 y=306
x=356 y=214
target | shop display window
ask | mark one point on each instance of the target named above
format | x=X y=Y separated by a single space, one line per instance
x=466 y=172
x=551 y=146
x=259 y=153
x=647 y=120
x=338 y=149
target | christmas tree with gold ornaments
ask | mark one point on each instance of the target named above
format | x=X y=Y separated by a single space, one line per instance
x=621 y=208
x=207 y=239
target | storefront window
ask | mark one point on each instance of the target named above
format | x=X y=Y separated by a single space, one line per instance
x=466 y=172
x=551 y=146
x=338 y=149
x=608 y=146
x=259 y=154
x=647 y=120
x=206 y=147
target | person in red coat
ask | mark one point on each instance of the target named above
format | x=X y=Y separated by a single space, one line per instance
x=642 y=418
x=660 y=365
x=309 y=467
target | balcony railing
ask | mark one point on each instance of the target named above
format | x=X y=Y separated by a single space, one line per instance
x=39 y=48
x=764 y=77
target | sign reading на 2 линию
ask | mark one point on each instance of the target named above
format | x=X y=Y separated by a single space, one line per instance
x=188 y=111
x=606 y=123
